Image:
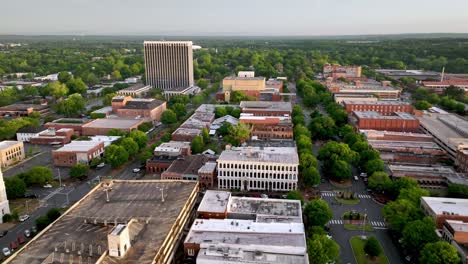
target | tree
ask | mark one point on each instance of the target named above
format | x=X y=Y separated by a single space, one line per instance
x=71 y=106
x=379 y=181
x=53 y=214
x=139 y=137
x=333 y=150
x=115 y=155
x=15 y=187
x=307 y=160
x=64 y=77
x=220 y=111
x=295 y=195
x=239 y=133
x=116 y=75
x=304 y=144
x=130 y=145
x=374 y=165
x=318 y=213
x=197 y=144
x=322 y=250
x=79 y=171
x=340 y=170
x=398 y=213
x=372 y=247
x=439 y=252
x=42 y=222
x=179 y=109
x=37 y=175
x=168 y=117
x=224 y=129
x=413 y=194
x=400 y=184
x=366 y=155
x=57 y=89
x=422 y=105
x=145 y=126
x=205 y=135
x=301 y=130
x=322 y=127
x=310 y=176
x=418 y=233
x=76 y=86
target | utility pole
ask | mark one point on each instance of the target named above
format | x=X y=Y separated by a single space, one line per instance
x=60 y=177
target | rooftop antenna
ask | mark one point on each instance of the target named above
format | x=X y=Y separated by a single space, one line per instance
x=442 y=75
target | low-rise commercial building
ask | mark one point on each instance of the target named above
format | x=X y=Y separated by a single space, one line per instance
x=192 y=127
x=102 y=126
x=456 y=233
x=243 y=227
x=26 y=133
x=137 y=90
x=394 y=135
x=383 y=90
x=53 y=137
x=248 y=84
x=263 y=108
x=416 y=152
x=338 y=71
x=257 y=168
x=268 y=127
x=442 y=208
x=77 y=152
x=415 y=74
x=462 y=158
x=399 y=121
x=74 y=123
x=341 y=97
x=133 y=221
x=428 y=176
x=149 y=110
x=11 y=152
x=439 y=87
x=22 y=110
x=207 y=175
x=381 y=107
x=188 y=168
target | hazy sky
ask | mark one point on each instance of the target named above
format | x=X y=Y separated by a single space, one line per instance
x=233 y=17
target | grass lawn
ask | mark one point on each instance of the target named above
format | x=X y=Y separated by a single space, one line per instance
x=358 y=249
x=348 y=201
x=358 y=227
x=20 y=205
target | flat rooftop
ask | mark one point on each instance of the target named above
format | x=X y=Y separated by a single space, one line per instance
x=248 y=232
x=284 y=155
x=78 y=146
x=135 y=87
x=376 y=134
x=441 y=205
x=458 y=226
x=265 y=105
x=172 y=146
x=396 y=72
x=417 y=146
x=376 y=115
x=104 y=110
x=117 y=123
x=87 y=223
x=188 y=165
x=214 y=201
x=259 y=78
x=372 y=88
x=238 y=254
x=424 y=170
x=8 y=143
x=266 y=210
x=400 y=103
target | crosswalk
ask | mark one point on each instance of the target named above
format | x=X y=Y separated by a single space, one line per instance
x=333 y=194
x=375 y=224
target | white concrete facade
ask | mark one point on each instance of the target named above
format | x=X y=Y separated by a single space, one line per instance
x=4 y=205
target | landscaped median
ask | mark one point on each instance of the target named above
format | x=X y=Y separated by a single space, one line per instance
x=347 y=197
x=358 y=244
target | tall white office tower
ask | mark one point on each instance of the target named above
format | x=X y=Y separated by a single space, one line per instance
x=4 y=205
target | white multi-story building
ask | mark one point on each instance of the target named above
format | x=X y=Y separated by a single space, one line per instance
x=4 y=205
x=256 y=168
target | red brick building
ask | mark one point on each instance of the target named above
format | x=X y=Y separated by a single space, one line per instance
x=381 y=107
x=52 y=136
x=186 y=168
x=77 y=152
x=462 y=158
x=264 y=108
x=397 y=136
x=74 y=123
x=150 y=110
x=399 y=121
x=439 y=87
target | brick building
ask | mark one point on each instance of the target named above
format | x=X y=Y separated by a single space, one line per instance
x=52 y=136
x=396 y=136
x=11 y=152
x=21 y=110
x=336 y=71
x=428 y=176
x=399 y=121
x=185 y=168
x=268 y=127
x=102 y=126
x=381 y=107
x=77 y=152
x=442 y=208
x=381 y=90
x=409 y=151
x=192 y=127
x=439 y=87
x=207 y=175
x=462 y=158
x=74 y=123
x=149 y=110
x=165 y=154
x=264 y=108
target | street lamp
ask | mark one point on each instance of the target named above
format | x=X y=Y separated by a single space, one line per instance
x=364 y=225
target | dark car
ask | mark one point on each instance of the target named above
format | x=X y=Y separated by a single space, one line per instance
x=3 y=233
x=13 y=245
x=31 y=195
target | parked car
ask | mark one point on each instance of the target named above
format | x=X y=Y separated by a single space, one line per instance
x=136 y=170
x=47 y=186
x=31 y=196
x=23 y=218
x=100 y=165
x=3 y=233
x=364 y=175
x=27 y=233
x=13 y=245
x=356 y=178
x=6 y=251
x=21 y=239
x=264 y=196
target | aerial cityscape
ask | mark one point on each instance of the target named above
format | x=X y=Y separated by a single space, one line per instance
x=230 y=144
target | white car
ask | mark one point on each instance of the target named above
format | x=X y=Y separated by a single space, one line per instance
x=6 y=251
x=135 y=170
x=27 y=233
x=101 y=165
x=47 y=186
x=23 y=218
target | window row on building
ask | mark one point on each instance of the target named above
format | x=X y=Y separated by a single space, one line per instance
x=250 y=184
x=258 y=175
x=250 y=167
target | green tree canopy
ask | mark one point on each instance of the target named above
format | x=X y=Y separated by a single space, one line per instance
x=168 y=117
x=310 y=176
x=38 y=175
x=57 y=89
x=318 y=213
x=304 y=144
x=15 y=187
x=374 y=166
x=422 y=105
x=340 y=170
x=418 y=233
x=139 y=137
x=301 y=130
x=197 y=144
x=379 y=181
x=115 y=155
x=179 y=109
x=413 y=194
x=307 y=160
x=79 y=171
x=322 y=250
x=400 y=212
x=372 y=247
x=322 y=127
x=333 y=150
x=71 y=106
x=64 y=77
x=76 y=86
x=295 y=195
x=130 y=145
x=439 y=252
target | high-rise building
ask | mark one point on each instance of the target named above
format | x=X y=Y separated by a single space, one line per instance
x=4 y=205
x=169 y=64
